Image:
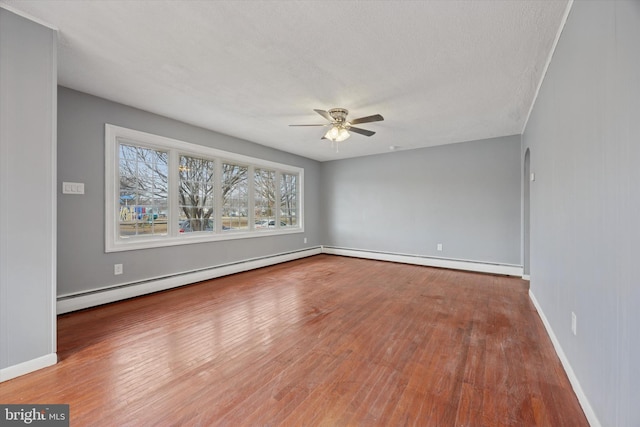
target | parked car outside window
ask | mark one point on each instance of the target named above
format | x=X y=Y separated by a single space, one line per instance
x=185 y=226
x=269 y=223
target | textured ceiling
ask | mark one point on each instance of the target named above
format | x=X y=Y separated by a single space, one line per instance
x=438 y=71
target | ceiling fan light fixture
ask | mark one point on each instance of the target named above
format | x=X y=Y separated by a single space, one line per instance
x=337 y=134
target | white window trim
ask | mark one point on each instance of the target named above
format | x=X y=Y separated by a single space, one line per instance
x=175 y=147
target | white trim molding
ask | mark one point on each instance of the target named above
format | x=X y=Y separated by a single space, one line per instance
x=29 y=17
x=453 y=264
x=78 y=301
x=29 y=366
x=573 y=379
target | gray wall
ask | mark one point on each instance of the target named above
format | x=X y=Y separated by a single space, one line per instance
x=465 y=196
x=27 y=194
x=585 y=202
x=82 y=262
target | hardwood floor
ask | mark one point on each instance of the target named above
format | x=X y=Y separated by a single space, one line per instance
x=325 y=340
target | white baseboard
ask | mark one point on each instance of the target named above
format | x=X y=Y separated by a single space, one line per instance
x=526 y=277
x=23 y=368
x=582 y=398
x=73 y=302
x=503 y=269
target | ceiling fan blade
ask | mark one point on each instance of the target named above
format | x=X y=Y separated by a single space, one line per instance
x=368 y=119
x=324 y=114
x=361 y=131
x=310 y=125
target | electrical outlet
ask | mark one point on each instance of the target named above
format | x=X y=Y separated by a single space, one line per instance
x=439 y=247
x=117 y=269
x=305 y=240
x=574 y=323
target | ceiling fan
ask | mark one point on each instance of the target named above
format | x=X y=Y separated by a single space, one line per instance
x=340 y=126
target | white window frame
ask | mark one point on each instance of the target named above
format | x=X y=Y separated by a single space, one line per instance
x=114 y=135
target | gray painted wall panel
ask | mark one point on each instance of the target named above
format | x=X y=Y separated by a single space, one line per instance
x=585 y=202
x=83 y=264
x=27 y=199
x=465 y=196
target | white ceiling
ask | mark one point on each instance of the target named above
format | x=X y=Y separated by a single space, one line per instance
x=438 y=71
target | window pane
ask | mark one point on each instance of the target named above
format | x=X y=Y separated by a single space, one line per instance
x=143 y=191
x=195 y=194
x=235 y=197
x=288 y=200
x=264 y=198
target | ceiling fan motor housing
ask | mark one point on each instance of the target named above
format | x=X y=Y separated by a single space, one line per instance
x=339 y=114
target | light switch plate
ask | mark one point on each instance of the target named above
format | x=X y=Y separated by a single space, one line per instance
x=72 y=188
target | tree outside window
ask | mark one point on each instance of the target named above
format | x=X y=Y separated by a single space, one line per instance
x=196 y=188
x=264 y=198
x=143 y=191
x=235 y=197
x=288 y=199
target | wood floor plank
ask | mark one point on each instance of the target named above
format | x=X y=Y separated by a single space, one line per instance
x=326 y=341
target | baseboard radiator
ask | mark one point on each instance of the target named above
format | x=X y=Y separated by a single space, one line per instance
x=453 y=264
x=81 y=300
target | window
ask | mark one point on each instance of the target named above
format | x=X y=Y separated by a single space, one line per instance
x=235 y=197
x=195 y=194
x=289 y=199
x=264 y=198
x=162 y=192
x=143 y=191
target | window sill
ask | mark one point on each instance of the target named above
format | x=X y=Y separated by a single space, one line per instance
x=137 y=243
